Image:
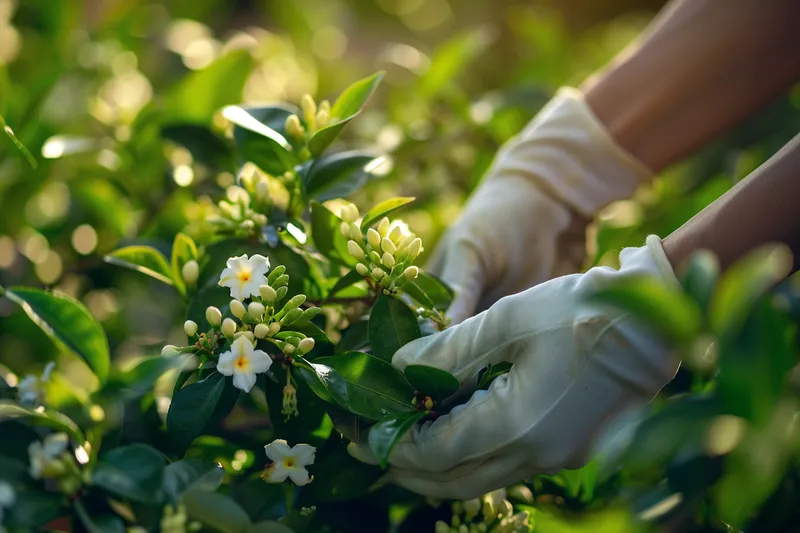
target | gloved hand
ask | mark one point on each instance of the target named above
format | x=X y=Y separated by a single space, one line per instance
x=526 y=221
x=576 y=365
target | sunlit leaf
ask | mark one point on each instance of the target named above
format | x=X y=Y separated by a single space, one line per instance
x=383 y=209
x=144 y=259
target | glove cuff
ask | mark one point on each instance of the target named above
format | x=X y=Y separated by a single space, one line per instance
x=569 y=153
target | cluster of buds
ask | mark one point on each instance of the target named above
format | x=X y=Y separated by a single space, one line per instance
x=315 y=117
x=51 y=460
x=424 y=403
x=492 y=513
x=31 y=390
x=241 y=210
x=385 y=253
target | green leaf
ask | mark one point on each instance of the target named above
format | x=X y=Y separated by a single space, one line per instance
x=374 y=387
x=345 y=109
x=699 y=278
x=138 y=381
x=52 y=419
x=205 y=146
x=202 y=93
x=134 y=472
x=144 y=259
x=490 y=373
x=665 y=310
x=98 y=523
x=439 y=293
x=258 y=142
x=269 y=526
x=351 y=278
x=190 y=474
x=339 y=477
x=383 y=209
x=327 y=237
x=384 y=435
x=391 y=325
x=33 y=508
x=193 y=406
x=21 y=147
x=450 y=60
x=355 y=337
x=337 y=175
x=183 y=250
x=323 y=380
x=67 y=321
x=431 y=381
x=216 y=511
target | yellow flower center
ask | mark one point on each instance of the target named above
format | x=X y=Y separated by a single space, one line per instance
x=288 y=463
x=244 y=276
x=242 y=363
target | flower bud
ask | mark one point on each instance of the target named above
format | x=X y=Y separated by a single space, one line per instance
x=228 y=327
x=276 y=273
x=262 y=191
x=387 y=260
x=361 y=268
x=414 y=248
x=293 y=127
x=259 y=218
x=472 y=507
x=247 y=224
x=355 y=232
x=378 y=273
x=309 y=106
x=190 y=272
x=305 y=345
x=383 y=226
x=505 y=508
x=261 y=330
x=288 y=349
x=237 y=308
x=388 y=246
x=396 y=234
x=375 y=257
x=441 y=527
x=324 y=105
x=213 y=316
x=344 y=229
x=349 y=213
x=374 y=238
x=268 y=294
x=248 y=334
x=170 y=350
x=411 y=272
x=256 y=310
x=190 y=328
x=322 y=118
x=274 y=328
x=355 y=250
x=428 y=403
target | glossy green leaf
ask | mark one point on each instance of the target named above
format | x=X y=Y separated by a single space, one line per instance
x=134 y=472
x=431 y=381
x=323 y=380
x=183 y=250
x=391 y=325
x=351 y=278
x=257 y=141
x=142 y=259
x=140 y=379
x=44 y=417
x=490 y=373
x=337 y=175
x=327 y=236
x=374 y=387
x=346 y=107
x=216 y=511
x=699 y=278
x=354 y=337
x=67 y=321
x=383 y=209
x=33 y=508
x=94 y=523
x=21 y=147
x=384 y=435
x=190 y=474
x=439 y=293
x=339 y=477
x=192 y=407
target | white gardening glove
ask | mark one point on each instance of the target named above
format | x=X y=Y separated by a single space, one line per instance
x=576 y=365
x=526 y=221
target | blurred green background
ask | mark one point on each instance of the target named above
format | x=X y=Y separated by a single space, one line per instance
x=116 y=99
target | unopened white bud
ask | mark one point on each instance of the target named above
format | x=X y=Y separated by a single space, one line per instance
x=213 y=316
x=383 y=226
x=229 y=327
x=323 y=117
x=388 y=246
x=441 y=527
x=293 y=127
x=472 y=507
x=247 y=334
x=411 y=272
x=262 y=190
x=344 y=229
x=247 y=224
x=355 y=232
x=274 y=328
x=396 y=234
x=414 y=248
x=259 y=218
x=308 y=105
x=362 y=269
x=378 y=273
x=190 y=328
x=374 y=238
x=355 y=250
x=305 y=345
x=288 y=349
x=387 y=260
x=267 y=293
x=237 y=308
x=261 y=330
x=170 y=350
x=190 y=272
x=256 y=310
x=349 y=213
x=237 y=195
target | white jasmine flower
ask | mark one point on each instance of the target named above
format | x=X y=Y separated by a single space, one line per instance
x=244 y=276
x=30 y=390
x=289 y=462
x=243 y=362
x=42 y=454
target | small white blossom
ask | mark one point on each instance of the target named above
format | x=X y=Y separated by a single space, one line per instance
x=243 y=275
x=243 y=362
x=43 y=453
x=289 y=462
x=31 y=389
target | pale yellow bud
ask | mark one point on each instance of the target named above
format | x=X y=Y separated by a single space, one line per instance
x=262 y=190
x=396 y=234
x=375 y=257
x=288 y=349
x=237 y=195
x=268 y=294
x=322 y=118
x=411 y=272
x=309 y=107
x=305 y=345
x=362 y=269
x=388 y=246
x=373 y=238
x=274 y=328
x=355 y=232
x=387 y=260
x=247 y=334
x=293 y=127
x=383 y=226
x=259 y=218
x=472 y=507
x=237 y=308
x=190 y=272
x=344 y=229
x=355 y=250
x=377 y=273
x=256 y=310
x=190 y=328
x=213 y=316
x=325 y=106
x=228 y=327
x=414 y=248
x=170 y=350
x=441 y=527
x=261 y=330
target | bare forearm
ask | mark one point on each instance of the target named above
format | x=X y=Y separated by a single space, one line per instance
x=701 y=67
x=762 y=208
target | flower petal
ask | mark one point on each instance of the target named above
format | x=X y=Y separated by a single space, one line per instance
x=259 y=361
x=259 y=264
x=225 y=363
x=242 y=346
x=299 y=476
x=277 y=450
x=304 y=454
x=250 y=288
x=276 y=473
x=244 y=380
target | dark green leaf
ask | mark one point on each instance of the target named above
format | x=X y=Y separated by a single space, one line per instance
x=337 y=175
x=430 y=381
x=269 y=526
x=52 y=419
x=190 y=474
x=439 y=293
x=258 y=142
x=217 y=511
x=339 y=477
x=391 y=325
x=34 y=508
x=327 y=237
x=205 y=146
x=68 y=322
x=134 y=383
x=490 y=373
x=323 y=380
x=193 y=406
x=383 y=209
x=133 y=472
x=355 y=337
x=699 y=278
x=374 y=387
x=384 y=435
x=347 y=280
x=142 y=259
x=183 y=250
